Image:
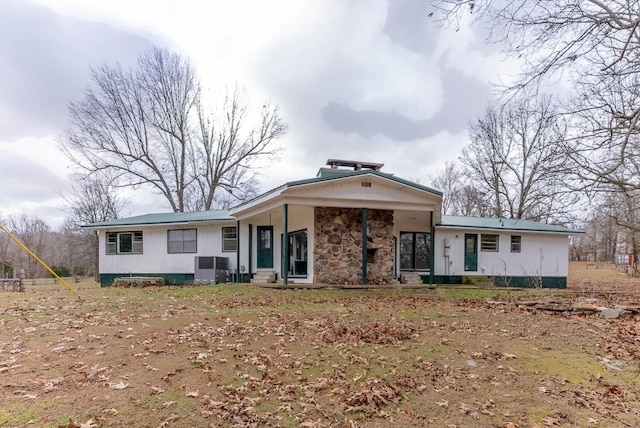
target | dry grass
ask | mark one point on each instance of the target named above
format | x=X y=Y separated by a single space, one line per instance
x=585 y=276
x=237 y=355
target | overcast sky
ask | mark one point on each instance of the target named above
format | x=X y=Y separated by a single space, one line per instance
x=366 y=80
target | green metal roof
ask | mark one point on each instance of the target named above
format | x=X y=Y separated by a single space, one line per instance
x=502 y=224
x=164 y=218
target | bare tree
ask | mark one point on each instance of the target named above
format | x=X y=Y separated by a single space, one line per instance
x=593 y=39
x=608 y=135
x=92 y=199
x=449 y=181
x=593 y=45
x=623 y=211
x=460 y=195
x=33 y=232
x=516 y=161
x=75 y=250
x=149 y=126
x=6 y=268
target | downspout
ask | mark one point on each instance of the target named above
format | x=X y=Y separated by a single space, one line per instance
x=250 y=247
x=238 y=251
x=431 y=251
x=364 y=246
x=285 y=245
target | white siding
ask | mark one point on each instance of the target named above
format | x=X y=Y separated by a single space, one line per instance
x=155 y=258
x=542 y=254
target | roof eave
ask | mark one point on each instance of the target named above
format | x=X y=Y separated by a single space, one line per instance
x=510 y=229
x=160 y=223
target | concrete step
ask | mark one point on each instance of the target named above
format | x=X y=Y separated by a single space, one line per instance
x=410 y=278
x=264 y=277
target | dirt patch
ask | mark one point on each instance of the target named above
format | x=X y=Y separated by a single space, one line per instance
x=237 y=355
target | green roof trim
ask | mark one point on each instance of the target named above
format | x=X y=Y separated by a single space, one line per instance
x=326 y=174
x=503 y=224
x=164 y=218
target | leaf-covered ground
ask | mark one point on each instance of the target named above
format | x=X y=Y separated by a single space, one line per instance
x=237 y=355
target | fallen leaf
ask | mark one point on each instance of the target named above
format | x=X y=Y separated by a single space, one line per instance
x=156 y=389
x=119 y=385
x=171 y=418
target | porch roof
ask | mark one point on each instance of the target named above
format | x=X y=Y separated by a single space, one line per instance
x=515 y=224
x=164 y=218
x=327 y=175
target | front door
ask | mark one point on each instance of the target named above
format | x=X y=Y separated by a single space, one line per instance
x=265 y=247
x=470 y=252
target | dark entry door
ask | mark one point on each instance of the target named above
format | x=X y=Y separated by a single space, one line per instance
x=265 y=247
x=470 y=252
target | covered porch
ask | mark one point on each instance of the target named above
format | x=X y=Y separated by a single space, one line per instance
x=342 y=227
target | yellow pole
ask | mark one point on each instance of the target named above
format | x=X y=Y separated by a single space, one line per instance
x=24 y=247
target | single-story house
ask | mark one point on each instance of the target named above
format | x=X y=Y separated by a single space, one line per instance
x=351 y=224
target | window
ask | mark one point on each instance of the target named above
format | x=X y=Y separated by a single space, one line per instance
x=415 y=250
x=488 y=242
x=516 y=243
x=229 y=239
x=182 y=241
x=124 y=242
x=265 y=238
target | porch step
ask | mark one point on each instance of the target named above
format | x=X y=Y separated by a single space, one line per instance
x=410 y=278
x=264 y=277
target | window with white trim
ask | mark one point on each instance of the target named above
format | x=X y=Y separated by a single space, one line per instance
x=489 y=242
x=182 y=241
x=516 y=243
x=229 y=239
x=124 y=242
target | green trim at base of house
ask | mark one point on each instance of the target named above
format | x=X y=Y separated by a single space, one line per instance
x=106 y=279
x=241 y=278
x=505 y=281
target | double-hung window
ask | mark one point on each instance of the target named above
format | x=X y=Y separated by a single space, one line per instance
x=182 y=241
x=124 y=242
x=516 y=243
x=229 y=239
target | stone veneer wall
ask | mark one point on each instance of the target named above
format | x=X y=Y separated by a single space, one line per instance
x=337 y=252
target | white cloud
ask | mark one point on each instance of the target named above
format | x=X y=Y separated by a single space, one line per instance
x=303 y=55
